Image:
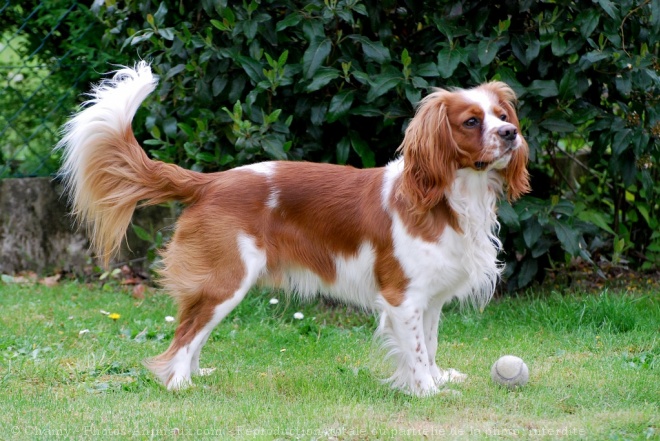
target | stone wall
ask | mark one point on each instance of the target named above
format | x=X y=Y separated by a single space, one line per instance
x=37 y=232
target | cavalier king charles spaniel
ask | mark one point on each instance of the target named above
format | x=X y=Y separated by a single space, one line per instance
x=401 y=240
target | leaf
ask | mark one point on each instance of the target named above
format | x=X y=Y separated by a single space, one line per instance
x=533 y=49
x=405 y=58
x=556 y=125
x=160 y=14
x=229 y=15
x=343 y=150
x=373 y=50
x=541 y=247
x=596 y=218
x=528 y=271
x=313 y=30
x=558 y=45
x=252 y=68
x=382 y=83
x=250 y=28
x=219 y=25
x=623 y=84
x=360 y=9
x=142 y=233
x=340 y=105
x=568 y=237
x=591 y=58
x=205 y=157
x=448 y=61
x=562 y=206
x=532 y=231
x=139 y=38
x=426 y=70
x=366 y=110
x=568 y=86
x=412 y=94
x=362 y=149
x=655 y=14
x=486 y=51
x=314 y=56
x=507 y=215
x=543 y=88
x=174 y=71
x=288 y=21
x=609 y=8
x=218 y=85
x=170 y=127
x=166 y=33
x=621 y=141
x=273 y=147
x=587 y=21
x=420 y=82
x=317 y=115
x=643 y=209
x=322 y=77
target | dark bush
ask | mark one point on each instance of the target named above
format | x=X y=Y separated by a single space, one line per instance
x=337 y=80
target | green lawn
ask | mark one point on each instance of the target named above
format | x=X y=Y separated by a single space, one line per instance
x=594 y=370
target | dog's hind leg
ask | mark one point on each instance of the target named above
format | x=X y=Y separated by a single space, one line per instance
x=199 y=313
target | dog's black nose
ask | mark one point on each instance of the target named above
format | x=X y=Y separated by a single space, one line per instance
x=508 y=132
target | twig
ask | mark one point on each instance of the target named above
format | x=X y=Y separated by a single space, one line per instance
x=623 y=22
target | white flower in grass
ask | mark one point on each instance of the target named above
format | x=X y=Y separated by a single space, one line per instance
x=83 y=332
x=169 y=319
x=274 y=301
x=298 y=316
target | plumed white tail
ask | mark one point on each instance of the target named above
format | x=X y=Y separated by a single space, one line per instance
x=107 y=116
x=105 y=171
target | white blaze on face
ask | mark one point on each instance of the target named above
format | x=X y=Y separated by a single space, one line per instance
x=491 y=123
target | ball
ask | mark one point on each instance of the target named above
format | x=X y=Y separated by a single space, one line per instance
x=510 y=371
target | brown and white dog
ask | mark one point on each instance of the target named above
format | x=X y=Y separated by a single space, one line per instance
x=401 y=240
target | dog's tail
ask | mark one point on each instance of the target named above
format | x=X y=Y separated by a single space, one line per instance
x=106 y=172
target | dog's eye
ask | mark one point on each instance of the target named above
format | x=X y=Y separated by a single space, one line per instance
x=472 y=122
x=503 y=117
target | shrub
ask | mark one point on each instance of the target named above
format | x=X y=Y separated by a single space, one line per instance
x=337 y=80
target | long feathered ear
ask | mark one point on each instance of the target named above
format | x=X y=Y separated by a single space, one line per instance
x=515 y=174
x=429 y=154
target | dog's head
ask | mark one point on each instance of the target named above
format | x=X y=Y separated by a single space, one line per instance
x=463 y=128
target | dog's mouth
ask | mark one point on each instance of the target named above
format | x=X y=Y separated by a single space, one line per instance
x=483 y=165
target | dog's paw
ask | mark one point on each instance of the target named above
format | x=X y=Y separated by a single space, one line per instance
x=177 y=383
x=424 y=391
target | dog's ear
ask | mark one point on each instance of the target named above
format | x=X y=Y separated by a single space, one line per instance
x=515 y=174
x=429 y=154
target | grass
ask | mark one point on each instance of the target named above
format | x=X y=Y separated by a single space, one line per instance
x=594 y=363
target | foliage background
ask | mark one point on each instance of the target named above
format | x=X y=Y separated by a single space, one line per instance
x=337 y=81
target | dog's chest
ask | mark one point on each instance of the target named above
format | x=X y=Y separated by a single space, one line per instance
x=456 y=264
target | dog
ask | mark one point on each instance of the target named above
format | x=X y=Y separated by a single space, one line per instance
x=401 y=240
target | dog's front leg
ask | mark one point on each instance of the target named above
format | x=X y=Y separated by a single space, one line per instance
x=403 y=330
x=432 y=316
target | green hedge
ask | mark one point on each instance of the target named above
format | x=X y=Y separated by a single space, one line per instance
x=338 y=80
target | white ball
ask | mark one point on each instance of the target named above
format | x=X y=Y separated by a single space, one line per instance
x=510 y=371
